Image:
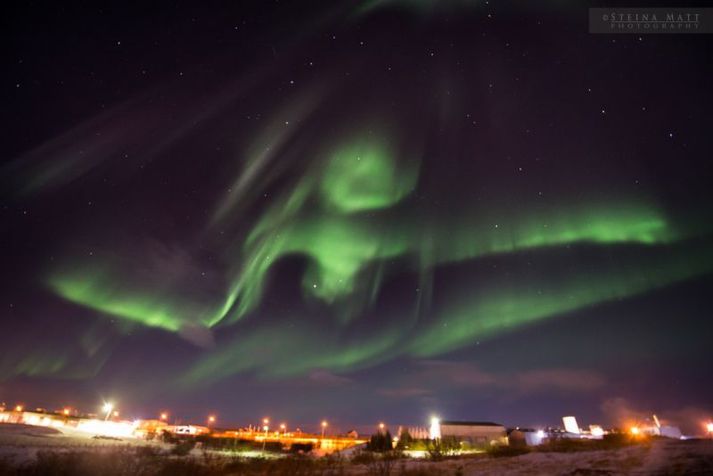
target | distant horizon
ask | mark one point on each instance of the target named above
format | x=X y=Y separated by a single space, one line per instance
x=336 y=426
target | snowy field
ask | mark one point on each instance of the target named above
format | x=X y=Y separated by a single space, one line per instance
x=20 y=445
x=663 y=457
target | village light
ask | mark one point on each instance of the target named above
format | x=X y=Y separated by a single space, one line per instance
x=709 y=428
x=164 y=416
x=634 y=430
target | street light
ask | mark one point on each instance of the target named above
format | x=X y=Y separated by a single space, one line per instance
x=211 y=419
x=434 y=432
x=265 y=428
x=107 y=408
x=324 y=426
x=709 y=429
x=381 y=426
x=283 y=427
x=164 y=416
x=19 y=408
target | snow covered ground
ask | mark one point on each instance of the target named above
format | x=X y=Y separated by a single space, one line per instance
x=660 y=457
x=20 y=444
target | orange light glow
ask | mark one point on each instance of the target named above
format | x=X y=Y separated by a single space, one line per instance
x=709 y=427
x=66 y=411
x=19 y=408
x=211 y=419
x=634 y=430
x=381 y=426
x=324 y=424
x=164 y=416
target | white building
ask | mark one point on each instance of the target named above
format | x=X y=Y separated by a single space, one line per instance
x=473 y=433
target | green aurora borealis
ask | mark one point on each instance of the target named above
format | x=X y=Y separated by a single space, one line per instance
x=338 y=217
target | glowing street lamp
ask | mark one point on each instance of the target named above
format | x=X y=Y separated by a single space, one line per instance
x=66 y=412
x=434 y=432
x=381 y=426
x=107 y=408
x=635 y=430
x=324 y=426
x=164 y=416
x=265 y=428
x=19 y=408
x=283 y=427
x=211 y=419
x=709 y=429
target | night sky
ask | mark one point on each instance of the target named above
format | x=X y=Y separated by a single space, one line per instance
x=359 y=211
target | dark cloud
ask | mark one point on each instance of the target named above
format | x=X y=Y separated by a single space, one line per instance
x=439 y=374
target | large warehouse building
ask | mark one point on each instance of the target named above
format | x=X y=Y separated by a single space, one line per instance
x=474 y=433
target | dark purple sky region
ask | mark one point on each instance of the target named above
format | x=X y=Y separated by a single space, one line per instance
x=358 y=211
